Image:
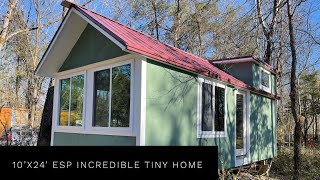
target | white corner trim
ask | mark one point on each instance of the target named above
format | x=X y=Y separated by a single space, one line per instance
x=54 y=109
x=100 y=29
x=248 y=127
x=140 y=116
x=275 y=114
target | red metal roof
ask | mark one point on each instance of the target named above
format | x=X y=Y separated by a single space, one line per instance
x=146 y=45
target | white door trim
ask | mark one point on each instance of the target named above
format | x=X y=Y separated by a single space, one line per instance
x=243 y=156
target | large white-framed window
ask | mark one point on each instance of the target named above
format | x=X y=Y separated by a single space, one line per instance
x=71 y=101
x=211 y=109
x=110 y=99
x=265 y=80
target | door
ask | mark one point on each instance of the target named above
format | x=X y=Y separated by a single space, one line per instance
x=241 y=124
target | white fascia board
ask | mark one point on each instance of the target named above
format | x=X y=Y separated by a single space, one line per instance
x=64 y=40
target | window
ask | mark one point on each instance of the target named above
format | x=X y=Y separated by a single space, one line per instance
x=219 y=109
x=111 y=107
x=207 y=107
x=212 y=110
x=239 y=121
x=265 y=80
x=71 y=101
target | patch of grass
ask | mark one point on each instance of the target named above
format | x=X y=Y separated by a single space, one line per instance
x=282 y=167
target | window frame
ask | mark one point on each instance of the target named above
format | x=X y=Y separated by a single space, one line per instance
x=57 y=100
x=213 y=133
x=241 y=152
x=122 y=131
x=265 y=88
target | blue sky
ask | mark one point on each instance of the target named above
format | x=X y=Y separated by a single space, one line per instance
x=247 y=5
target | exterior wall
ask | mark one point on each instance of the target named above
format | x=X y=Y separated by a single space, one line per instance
x=73 y=139
x=242 y=71
x=256 y=78
x=171 y=113
x=91 y=47
x=263 y=127
x=171 y=116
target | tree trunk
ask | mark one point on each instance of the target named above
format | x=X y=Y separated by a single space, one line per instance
x=44 y=137
x=6 y=22
x=294 y=97
x=176 y=26
x=316 y=137
x=154 y=6
x=305 y=135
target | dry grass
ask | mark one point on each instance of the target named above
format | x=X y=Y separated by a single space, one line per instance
x=282 y=167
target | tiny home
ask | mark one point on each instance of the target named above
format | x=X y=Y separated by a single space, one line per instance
x=117 y=86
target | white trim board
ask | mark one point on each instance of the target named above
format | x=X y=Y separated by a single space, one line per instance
x=245 y=157
x=65 y=38
x=140 y=97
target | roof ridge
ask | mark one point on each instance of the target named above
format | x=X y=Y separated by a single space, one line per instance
x=114 y=21
x=141 y=33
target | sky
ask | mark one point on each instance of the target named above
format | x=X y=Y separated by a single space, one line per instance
x=105 y=10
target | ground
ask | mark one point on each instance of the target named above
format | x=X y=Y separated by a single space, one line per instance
x=282 y=167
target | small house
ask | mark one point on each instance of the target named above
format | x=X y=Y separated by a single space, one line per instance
x=115 y=86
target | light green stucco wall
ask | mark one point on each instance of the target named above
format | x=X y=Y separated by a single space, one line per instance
x=256 y=75
x=171 y=114
x=262 y=127
x=91 y=47
x=74 y=139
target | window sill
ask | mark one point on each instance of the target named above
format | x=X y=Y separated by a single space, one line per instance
x=212 y=135
x=266 y=89
x=100 y=131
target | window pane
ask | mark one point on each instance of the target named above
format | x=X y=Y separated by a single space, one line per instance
x=76 y=105
x=207 y=108
x=64 y=102
x=219 y=109
x=264 y=79
x=239 y=121
x=120 y=99
x=101 y=98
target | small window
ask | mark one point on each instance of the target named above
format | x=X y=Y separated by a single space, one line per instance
x=207 y=107
x=71 y=101
x=112 y=97
x=212 y=111
x=219 y=109
x=265 y=81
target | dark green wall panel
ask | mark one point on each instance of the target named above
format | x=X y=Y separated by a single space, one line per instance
x=74 y=139
x=91 y=47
